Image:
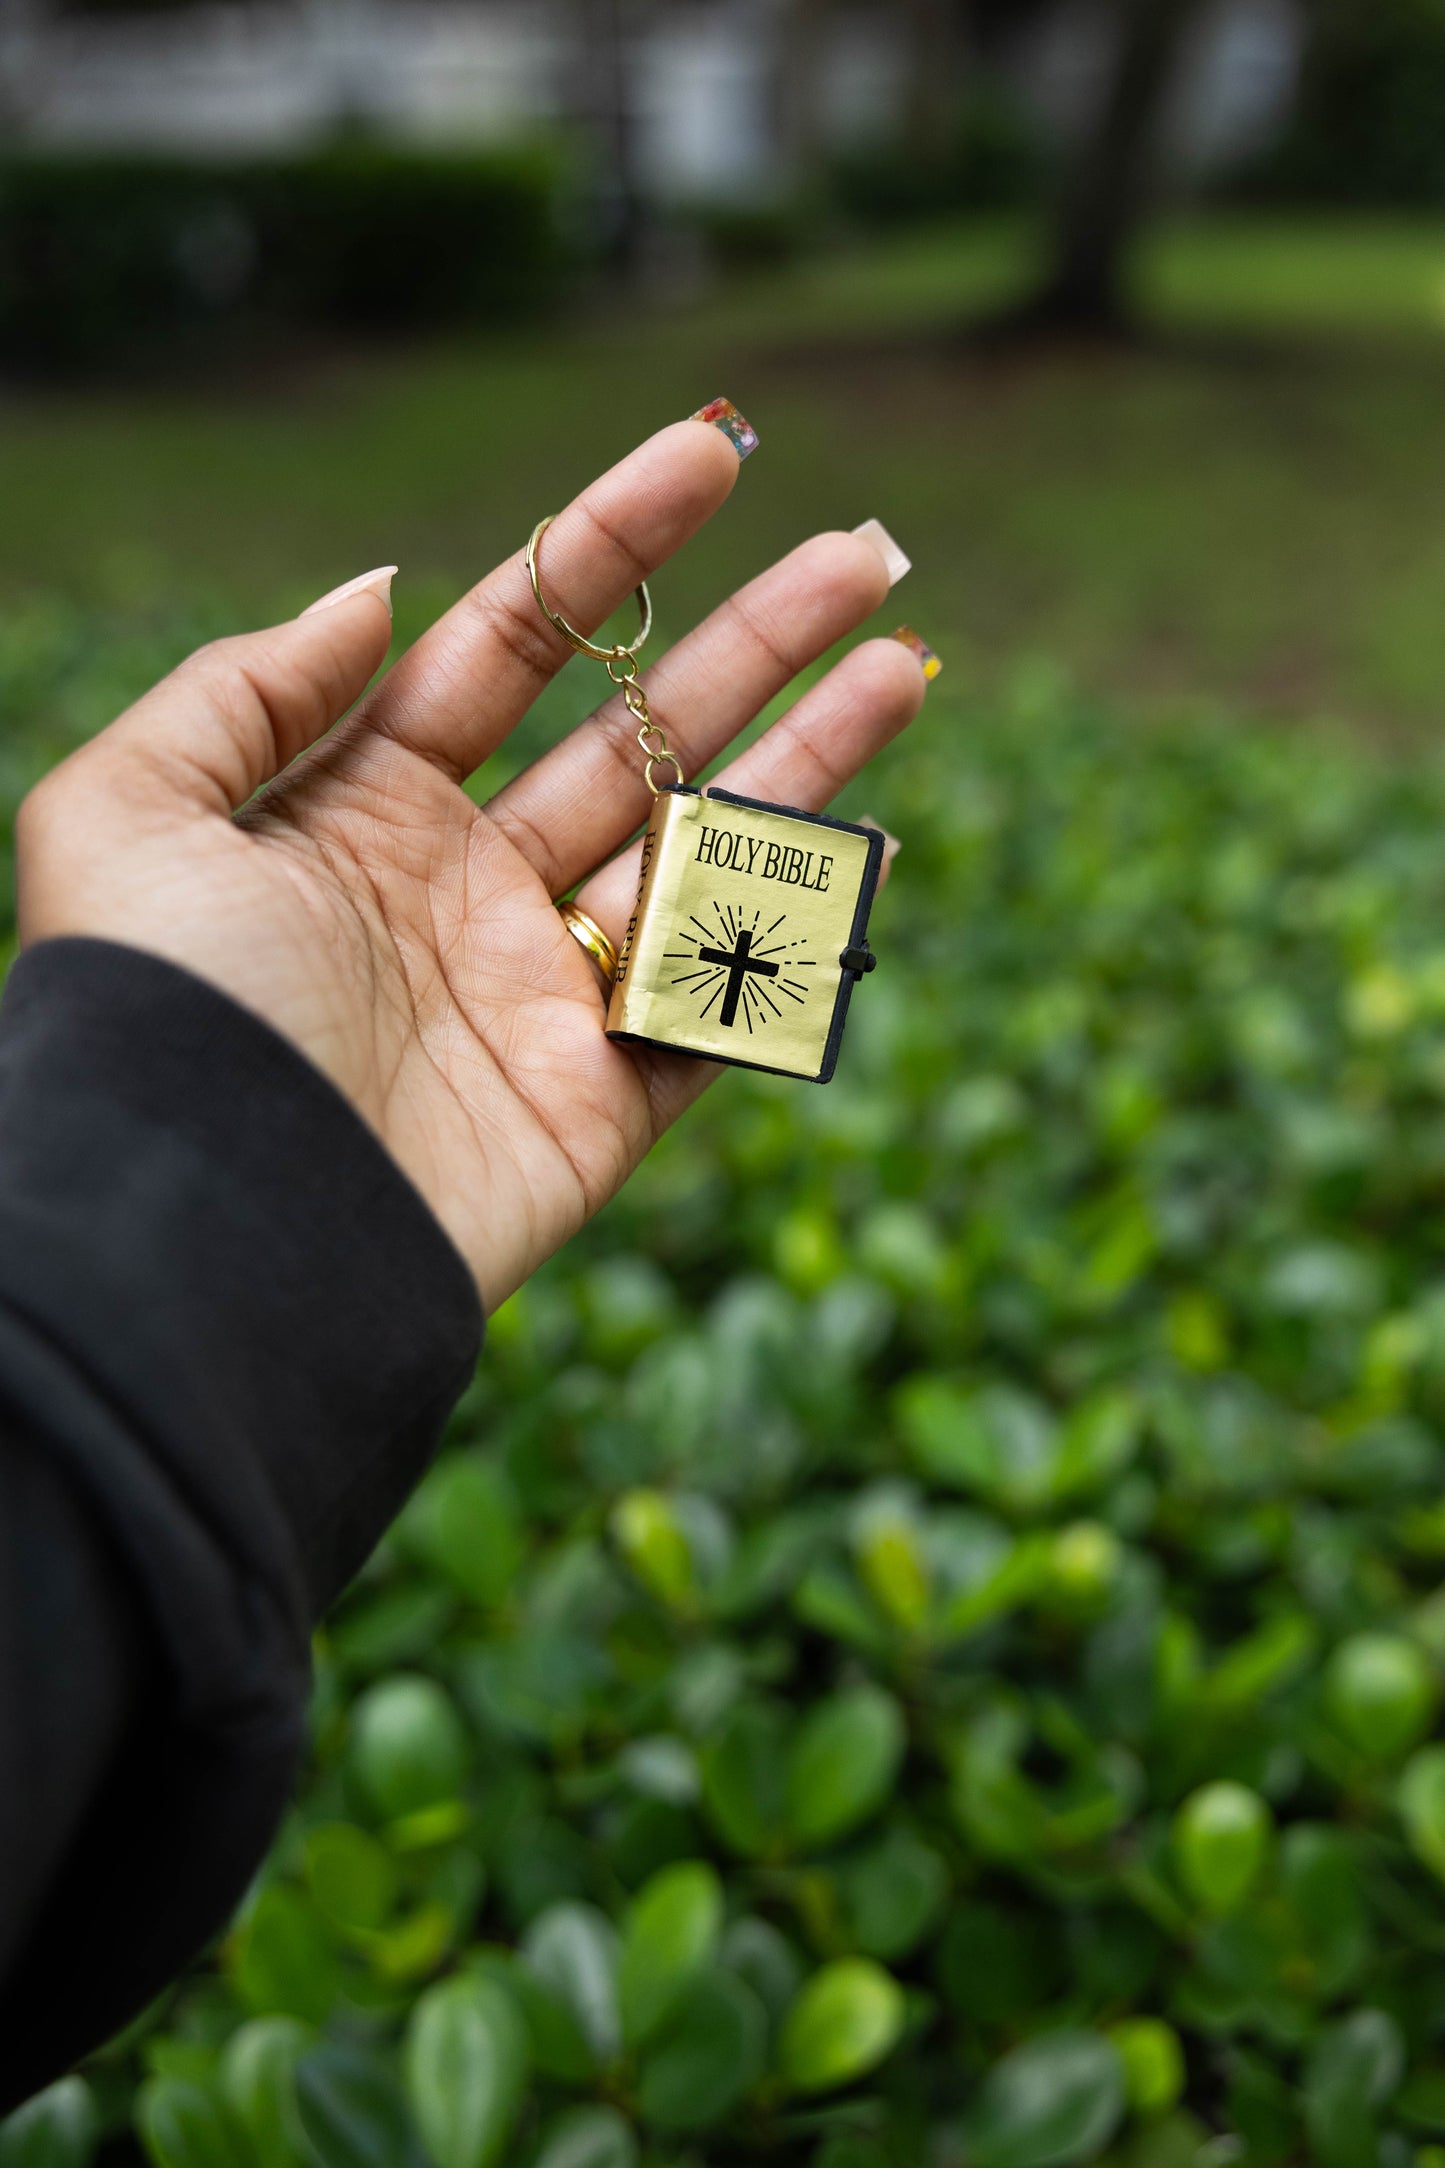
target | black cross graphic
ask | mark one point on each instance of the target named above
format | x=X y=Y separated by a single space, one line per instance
x=737 y=963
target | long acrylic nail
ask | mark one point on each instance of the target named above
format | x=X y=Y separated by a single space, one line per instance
x=907 y=637
x=377 y=583
x=723 y=415
x=891 y=844
x=895 y=563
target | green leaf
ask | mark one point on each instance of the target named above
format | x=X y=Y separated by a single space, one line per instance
x=1361 y=2057
x=183 y=2124
x=850 y=2149
x=1177 y=2141
x=1083 y=1567
x=990 y=1573
x=1324 y=1887
x=407 y=1748
x=557 y=2047
x=397 y=1626
x=832 y=1601
x=711 y=2052
x=56 y=2129
x=1421 y=2102
x=281 y=1959
x=1098 y=1442
x=661 y=1767
x=846 y=2019
x=892 y=1560
x=351 y=1877
x=944 y=1435
x=1381 y=1691
x=1263 y=1662
x=1354 y=2068
x=466 y=2062
x=1000 y=1443
x=1056 y=2100
x=671 y=1933
x=1221 y=1839
x=258 y=2079
x=892 y=1893
x=652 y=1540
x=573 y=1950
x=1264 y=2107
x=743 y=1778
x=762 y=1955
x=351 y=2109
x=470 y=1527
x=587 y=2138
x=843 y=1764
x=1153 y=2063
x=1422 y=1807
x=768 y=1563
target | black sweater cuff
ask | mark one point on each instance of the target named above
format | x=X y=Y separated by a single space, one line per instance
x=234 y=1329
x=194 y=1215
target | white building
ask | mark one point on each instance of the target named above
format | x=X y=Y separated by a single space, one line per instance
x=222 y=77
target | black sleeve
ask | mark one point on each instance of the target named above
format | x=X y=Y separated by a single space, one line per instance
x=230 y=1333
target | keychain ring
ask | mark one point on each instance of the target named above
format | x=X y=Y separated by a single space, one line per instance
x=559 y=623
x=663 y=760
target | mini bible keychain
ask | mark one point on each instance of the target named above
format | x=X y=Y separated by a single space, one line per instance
x=750 y=929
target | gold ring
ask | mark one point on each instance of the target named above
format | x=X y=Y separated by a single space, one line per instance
x=593 y=939
x=569 y=632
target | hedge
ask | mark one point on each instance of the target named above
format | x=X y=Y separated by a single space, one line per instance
x=113 y=259
x=923 y=1647
x=997 y=158
x=1368 y=129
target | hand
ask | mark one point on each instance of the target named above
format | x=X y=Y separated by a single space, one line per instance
x=404 y=938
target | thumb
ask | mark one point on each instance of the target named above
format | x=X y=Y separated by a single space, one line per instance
x=237 y=712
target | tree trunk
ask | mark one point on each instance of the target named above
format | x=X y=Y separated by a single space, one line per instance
x=934 y=96
x=602 y=101
x=799 y=63
x=1106 y=199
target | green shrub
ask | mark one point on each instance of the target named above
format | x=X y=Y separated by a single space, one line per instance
x=996 y=160
x=110 y=259
x=923 y=1644
x=745 y=237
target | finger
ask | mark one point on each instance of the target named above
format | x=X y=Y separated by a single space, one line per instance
x=803 y=761
x=457 y=693
x=891 y=848
x=234 y=714
x=582 y=799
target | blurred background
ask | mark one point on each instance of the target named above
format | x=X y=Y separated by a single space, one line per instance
x=1127 y=316
x=924 y=1646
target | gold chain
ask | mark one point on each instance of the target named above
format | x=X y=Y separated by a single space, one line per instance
x=622 y=669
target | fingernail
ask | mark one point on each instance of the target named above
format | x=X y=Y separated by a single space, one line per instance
x=907 y=637
x=378 y=582
x=894 y=561
x=891 y=844
x=723 y=415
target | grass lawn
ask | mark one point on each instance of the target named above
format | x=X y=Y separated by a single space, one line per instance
x=1250 y=511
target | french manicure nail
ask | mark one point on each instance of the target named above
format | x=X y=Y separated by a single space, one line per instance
x=891 y=844
x=723 y=415
x=895 y=563
x=377 y=582
x=907 y=637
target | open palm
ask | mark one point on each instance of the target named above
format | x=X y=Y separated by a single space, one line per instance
x=405 y=938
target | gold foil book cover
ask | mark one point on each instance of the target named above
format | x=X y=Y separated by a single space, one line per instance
x=749 y=933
